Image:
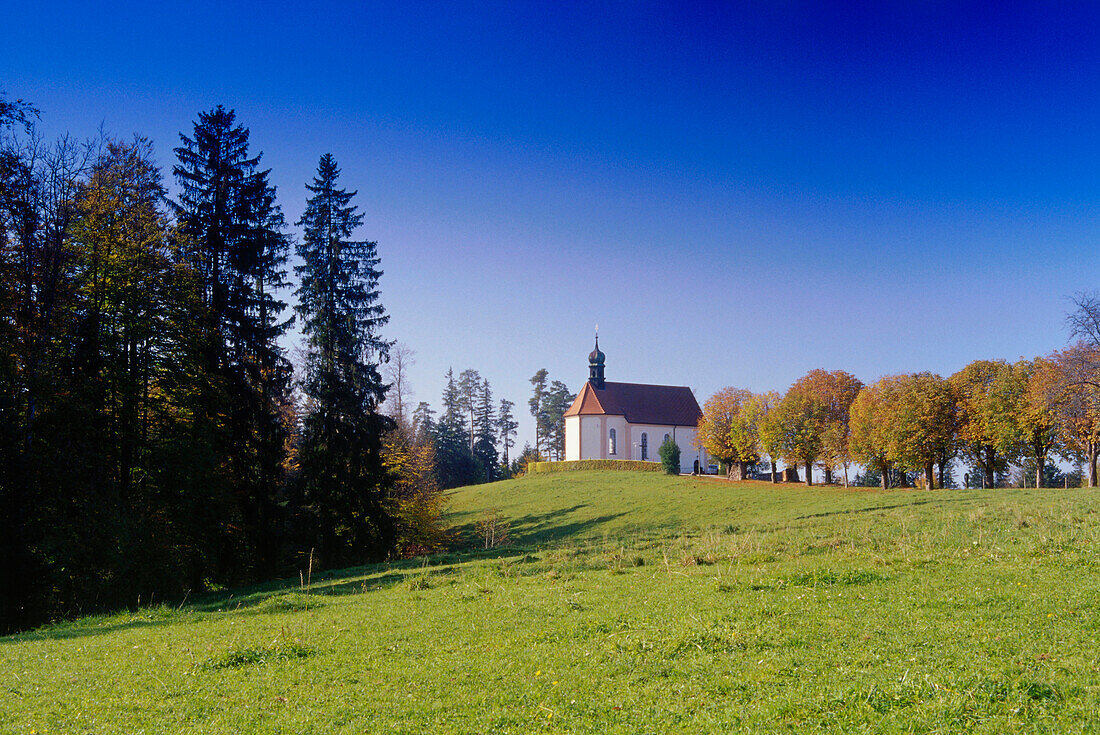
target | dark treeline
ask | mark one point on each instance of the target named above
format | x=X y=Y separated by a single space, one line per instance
x=548 y=404
x=473 y=437
x=153 y=440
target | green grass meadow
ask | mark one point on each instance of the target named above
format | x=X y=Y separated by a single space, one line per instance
x=625 y=602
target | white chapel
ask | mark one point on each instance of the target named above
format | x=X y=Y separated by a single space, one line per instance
x=631 y=420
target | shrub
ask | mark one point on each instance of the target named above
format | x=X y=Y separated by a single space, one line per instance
x=493 y=528
x=594 y=464
x=670 y=456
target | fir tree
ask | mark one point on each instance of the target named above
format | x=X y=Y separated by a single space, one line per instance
x=506 y=425
x=455 y=465
x=423 y=424
x=468 y=386
x=535 y=404
x=234 y=241
x=452 y=401
x=554 y=405
x=484 y=426
x=342 y=317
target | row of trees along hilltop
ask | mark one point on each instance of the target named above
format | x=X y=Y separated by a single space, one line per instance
x=992 y=415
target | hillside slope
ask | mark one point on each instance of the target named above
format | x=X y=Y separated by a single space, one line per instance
x=626 y=603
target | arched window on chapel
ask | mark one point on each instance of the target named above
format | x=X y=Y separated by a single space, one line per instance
x=645 y=447
x=611 y=442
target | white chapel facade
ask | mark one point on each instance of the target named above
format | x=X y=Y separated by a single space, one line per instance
x=631 y=420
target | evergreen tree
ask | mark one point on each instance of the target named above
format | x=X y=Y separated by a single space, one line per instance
x=506 y=425
x=469 y=386
x=452 y=401
x=556 y=403
x=423 y=425
x=234 y=240
x=485 y=443
x=341 y=461
x=455 y=464
x=528 y=455
x=535 y=405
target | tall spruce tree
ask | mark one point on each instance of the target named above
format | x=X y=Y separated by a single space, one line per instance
x=454 y=461
x=485 y=436
x=536 y=405
x=344 y=479
x=555 y=403
x=423 y=424
x=506 y=425
x=469 y=387
x=234 y=240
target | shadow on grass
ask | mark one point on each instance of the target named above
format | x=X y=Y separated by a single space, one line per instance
x=538 y=529
x=872 y=509
x=526 y=533
x=275 y=597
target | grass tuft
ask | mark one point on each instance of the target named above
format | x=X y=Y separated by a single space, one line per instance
x=257 y=655
x=293 y=602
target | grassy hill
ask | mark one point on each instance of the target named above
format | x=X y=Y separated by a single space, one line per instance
x=626 y=603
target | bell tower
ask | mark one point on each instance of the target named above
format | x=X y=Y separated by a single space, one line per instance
x=595 y=364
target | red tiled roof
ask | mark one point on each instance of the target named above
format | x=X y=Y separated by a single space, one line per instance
x=667 y=405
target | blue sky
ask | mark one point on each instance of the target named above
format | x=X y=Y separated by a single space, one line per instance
x=737 y=193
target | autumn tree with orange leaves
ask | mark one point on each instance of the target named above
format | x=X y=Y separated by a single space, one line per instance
x=834 y=391
x=800 y=419
x=721 y=414
x=920 y=425
x=759 y=415
x=988 y=434
x=1073 y=390
x=1039 y=382
x=869 y=441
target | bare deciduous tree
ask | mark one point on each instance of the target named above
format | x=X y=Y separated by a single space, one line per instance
x=1084 y=322
x=402 y=358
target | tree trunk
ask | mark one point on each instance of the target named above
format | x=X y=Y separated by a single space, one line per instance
x=809 y=474
x=885 y=477
x=929 y=476
x=903 y=481
x=775 y=475
x=845 y=474
x=1093 y=450
x=1037 y=446
x=940 y=472
x=987 y=468
x=828 y=476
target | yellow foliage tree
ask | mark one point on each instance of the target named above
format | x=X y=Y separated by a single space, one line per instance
x=758 y=414
x=834 y=392
x=987 y=394
x=721 y=413
x=1073 y=394
x=416 y=502
x=869 y=441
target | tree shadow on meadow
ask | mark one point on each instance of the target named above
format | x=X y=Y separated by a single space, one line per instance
x=873 y=508
x=294 y=594
x=534 y=529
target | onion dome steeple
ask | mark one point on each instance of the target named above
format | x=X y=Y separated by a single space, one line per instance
x=595 y=364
